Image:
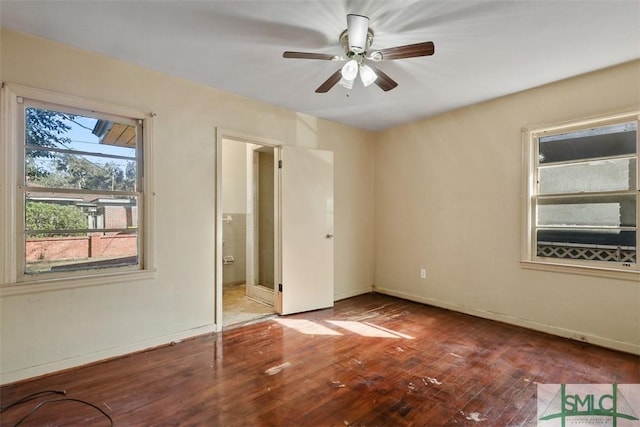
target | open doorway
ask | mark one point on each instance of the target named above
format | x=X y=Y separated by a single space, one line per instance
x=274 y=229
x=248 y=231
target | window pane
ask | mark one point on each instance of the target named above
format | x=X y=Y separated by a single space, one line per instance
x=63 y=170
x=77 y=232
x=604 y=141
x=585 y=200
x=601 y=175
x=591 y=245
x=610 y=211
x=72 y=252
x=56 y=142
x=595 y=237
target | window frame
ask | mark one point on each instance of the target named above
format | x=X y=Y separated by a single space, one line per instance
x=14 y=280
x=530 y=144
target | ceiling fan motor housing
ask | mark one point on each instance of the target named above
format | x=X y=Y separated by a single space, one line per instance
x=358 y=37
x=344 y=42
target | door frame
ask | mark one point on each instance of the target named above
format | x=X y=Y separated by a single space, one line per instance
x=220 y=134
x=255 y=291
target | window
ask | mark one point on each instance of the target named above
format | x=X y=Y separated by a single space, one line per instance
x=582 y=185
x=80 y=193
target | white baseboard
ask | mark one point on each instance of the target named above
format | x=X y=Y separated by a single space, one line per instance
x=73 y=362
x=528 y=324
x=354 y=293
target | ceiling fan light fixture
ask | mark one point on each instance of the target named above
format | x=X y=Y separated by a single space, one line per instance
x=350 y=70
x=367 y=75
x=357 y=27
x=348 y=84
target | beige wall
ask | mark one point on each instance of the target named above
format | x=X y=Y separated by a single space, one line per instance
x=235 y=159
x=447 y=198
x=234 y=177
x=48 y=331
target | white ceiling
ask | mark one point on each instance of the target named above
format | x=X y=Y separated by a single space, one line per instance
x=483 y=49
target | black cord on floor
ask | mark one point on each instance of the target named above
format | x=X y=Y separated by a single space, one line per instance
x=31 y=397
x=41 y=404
x=64 y=399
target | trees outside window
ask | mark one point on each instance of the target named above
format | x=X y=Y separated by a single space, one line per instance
x=81 y=189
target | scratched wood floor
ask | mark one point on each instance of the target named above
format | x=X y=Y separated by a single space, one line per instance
x=372 y=360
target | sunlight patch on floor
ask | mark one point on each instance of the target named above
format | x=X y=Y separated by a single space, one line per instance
x=364 y=329
x=367 y=329
x=307 y=327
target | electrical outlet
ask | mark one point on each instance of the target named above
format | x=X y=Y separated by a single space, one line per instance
x=423 y=273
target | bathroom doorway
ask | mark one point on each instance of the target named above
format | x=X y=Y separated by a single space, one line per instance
x=248 y=231
x=273 y=228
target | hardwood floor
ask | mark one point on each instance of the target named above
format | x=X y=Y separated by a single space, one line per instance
x=372 y=360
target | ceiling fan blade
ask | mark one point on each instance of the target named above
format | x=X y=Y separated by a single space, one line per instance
x=383 y=81
x=330 y=82
x=408 y=51
x=309 y=55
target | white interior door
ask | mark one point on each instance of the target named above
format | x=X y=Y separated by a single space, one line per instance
x=306 y=215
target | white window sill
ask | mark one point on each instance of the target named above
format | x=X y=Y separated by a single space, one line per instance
x=609 y=273
x=50 y=285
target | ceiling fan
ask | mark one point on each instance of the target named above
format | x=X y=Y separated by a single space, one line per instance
x=356 y=41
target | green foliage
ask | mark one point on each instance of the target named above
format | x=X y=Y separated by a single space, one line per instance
x=44 y=128
x=49 y=216
x=49 y=129
x=74 y=171
x=33 y=170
